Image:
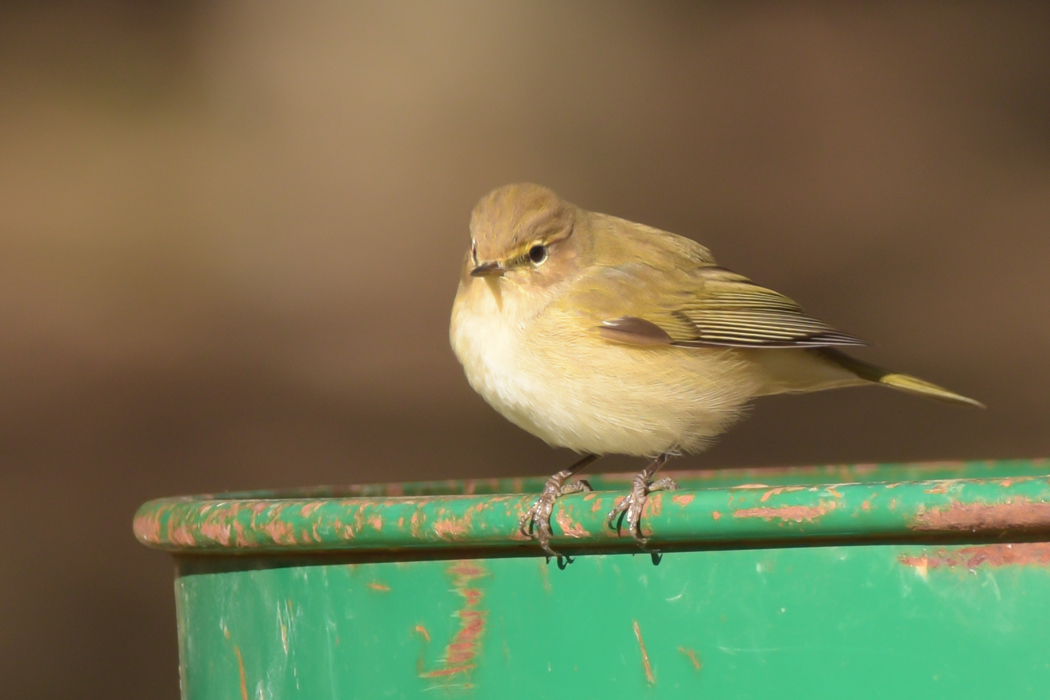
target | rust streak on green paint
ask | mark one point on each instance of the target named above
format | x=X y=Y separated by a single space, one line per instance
x=319 y=520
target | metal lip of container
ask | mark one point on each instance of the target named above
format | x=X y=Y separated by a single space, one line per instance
x=902 y=502
x=867 y=581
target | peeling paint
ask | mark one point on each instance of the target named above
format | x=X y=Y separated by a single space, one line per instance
x=992 y=555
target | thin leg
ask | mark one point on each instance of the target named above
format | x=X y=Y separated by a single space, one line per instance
x=630 y=508
x=537 y=520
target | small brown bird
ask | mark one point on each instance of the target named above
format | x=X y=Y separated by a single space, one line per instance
x=611 y=337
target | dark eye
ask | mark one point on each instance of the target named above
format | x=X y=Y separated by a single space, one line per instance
x=537 y=254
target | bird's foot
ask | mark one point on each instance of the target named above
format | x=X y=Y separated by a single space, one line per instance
x=629 y=511
x=537 y=519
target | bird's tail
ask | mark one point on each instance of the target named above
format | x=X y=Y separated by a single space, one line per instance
x=895 y=380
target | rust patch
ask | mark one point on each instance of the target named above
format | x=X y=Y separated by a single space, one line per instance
x=570 y=527
x=147 y=528
x=450 y=529
x=280 y=532
x=418 y=520
x=693 y=657
x=645 y=655
x=423 y=631
x=217 y=532
x=654 y=505
x=461 y=652
x=597 y=505
x=779 y=490
x=376 y=521
x=797 y=514
x=1013 y=514
x=240 y=667
x=866 y=505
x=993 y=555
x=181 y=535
x=382 y=587
x=684 y=499
x=310 y=508
x=939 y=488
x=833 y=491
x=716 y=515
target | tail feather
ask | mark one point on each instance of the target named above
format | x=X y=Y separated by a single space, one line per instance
x=895 y=380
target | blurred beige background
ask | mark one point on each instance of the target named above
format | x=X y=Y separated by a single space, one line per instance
x=230 y=237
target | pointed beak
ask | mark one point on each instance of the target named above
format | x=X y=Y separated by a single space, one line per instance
x=489 y=269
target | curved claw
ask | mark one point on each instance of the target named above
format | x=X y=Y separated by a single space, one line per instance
x=630 y=508
x=536 y=522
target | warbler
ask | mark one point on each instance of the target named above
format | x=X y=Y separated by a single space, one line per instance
x=611 y=337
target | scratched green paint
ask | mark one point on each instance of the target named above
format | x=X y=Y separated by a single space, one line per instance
x=932 y=613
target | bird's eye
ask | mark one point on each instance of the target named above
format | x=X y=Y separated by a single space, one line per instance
x=537 y=253
x=474 y=251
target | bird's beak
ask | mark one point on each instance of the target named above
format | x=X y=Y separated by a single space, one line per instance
x=489 y=269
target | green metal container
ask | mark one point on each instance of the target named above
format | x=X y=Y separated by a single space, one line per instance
x=863 y=581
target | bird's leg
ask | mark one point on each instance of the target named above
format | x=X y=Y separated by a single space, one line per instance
x=630 y=508
x=537 y=520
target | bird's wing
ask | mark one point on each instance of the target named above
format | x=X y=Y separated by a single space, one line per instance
x=702 y=307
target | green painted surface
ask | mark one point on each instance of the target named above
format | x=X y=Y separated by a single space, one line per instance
x=825 y=591
x=822 y=622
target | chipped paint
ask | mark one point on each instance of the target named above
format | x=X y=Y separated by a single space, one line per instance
x=569 y=526
x=1012 y=514
x=309 y=509
x=796 y=514
x=309 y=521
x=423 y=631
x=381 y=587
x=645 y=654
x=779 y=490
x=991 y=555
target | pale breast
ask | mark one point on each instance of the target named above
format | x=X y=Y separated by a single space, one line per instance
x=569 y=387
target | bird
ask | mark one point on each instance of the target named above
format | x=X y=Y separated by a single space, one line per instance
x=606 y=336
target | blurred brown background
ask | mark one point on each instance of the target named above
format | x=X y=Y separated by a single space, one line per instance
x=230 y=237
